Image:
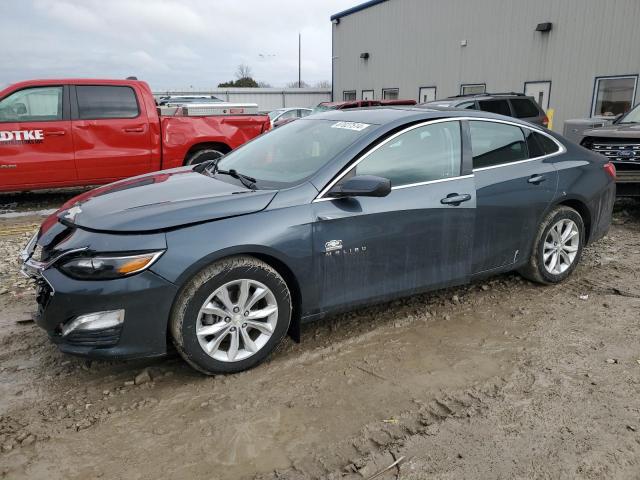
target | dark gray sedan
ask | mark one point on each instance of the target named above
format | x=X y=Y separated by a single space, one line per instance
x=333 y=211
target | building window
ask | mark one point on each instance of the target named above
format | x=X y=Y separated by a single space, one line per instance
x=390 y=93
x=367 y=94
x=348 y=95
x=473 y=88
x=613 y=95
x=426 y=94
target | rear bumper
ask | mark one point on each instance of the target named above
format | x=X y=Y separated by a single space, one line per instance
x=145 y=298
x=602 y=211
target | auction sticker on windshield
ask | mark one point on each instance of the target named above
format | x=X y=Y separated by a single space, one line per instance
x=358 y=127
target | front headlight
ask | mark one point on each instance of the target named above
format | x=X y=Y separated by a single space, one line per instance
x=105 y=267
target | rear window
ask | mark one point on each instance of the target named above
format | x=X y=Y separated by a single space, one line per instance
x=500 y=107
x=96 y=102
x=524 y=108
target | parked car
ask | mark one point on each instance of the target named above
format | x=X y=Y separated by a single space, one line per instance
x=512 y=104
x=330 y=212
x=620 y=144
x=285 y=115
x=324 y=106
x=66 y=133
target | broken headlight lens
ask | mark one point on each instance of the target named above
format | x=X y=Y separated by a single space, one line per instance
x=108 y=267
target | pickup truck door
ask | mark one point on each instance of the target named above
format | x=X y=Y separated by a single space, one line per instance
x=35 y=138
x=111 y=132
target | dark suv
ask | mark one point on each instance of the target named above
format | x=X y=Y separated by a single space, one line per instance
x=511 y=104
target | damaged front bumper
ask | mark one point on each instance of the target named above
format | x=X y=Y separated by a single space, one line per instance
x=105 y=319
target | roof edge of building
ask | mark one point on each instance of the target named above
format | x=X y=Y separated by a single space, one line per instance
x=357 y=8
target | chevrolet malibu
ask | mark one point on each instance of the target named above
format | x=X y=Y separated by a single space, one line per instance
x=337 y=210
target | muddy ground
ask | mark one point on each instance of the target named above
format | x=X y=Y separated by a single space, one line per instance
x=501 y=379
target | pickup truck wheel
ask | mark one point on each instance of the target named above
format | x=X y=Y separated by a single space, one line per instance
x=231 y=315
x=557 y=248
x=203 y=156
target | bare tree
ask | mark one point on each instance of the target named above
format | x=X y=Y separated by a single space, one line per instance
x=264 y=84
x=303 y=84
x=243 y=71
x=323 y=84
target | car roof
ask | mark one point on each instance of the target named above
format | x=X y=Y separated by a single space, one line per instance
x=477 y=96
x=385 y=115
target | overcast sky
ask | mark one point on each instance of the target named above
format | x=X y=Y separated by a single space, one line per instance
x=169 y=43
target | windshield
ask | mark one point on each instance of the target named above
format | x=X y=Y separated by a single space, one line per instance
x=323 y=108
x=292 y=153
x=274 y=114
x=632 y=117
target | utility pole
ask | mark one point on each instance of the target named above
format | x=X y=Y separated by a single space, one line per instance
x=299 y=60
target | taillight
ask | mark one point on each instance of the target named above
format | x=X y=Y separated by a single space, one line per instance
x=610 y=169
x=545 y=121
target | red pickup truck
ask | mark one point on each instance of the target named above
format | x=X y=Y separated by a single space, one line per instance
x=74 y=132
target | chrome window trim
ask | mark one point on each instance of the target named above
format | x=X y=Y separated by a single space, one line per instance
x=561 y=148
x=329 y=186
x=428 y=182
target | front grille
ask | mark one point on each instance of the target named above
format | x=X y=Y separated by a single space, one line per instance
x=620 y=151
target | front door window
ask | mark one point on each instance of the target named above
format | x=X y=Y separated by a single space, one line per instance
x=32 y=105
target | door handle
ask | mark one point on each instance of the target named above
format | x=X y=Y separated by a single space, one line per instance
x=455 y=199
x=134 y=129
x=536 y=179
x=55 y=133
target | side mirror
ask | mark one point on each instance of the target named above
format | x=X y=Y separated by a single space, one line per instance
x=362 y=186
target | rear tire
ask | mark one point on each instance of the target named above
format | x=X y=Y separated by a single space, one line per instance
x=557 y=248
x=204 y=156
x=219 y=327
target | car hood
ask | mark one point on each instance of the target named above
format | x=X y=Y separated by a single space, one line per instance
x=621 y=130
x=160 y=201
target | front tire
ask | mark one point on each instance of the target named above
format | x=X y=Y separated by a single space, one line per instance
x=557 y=248
x=231 y=315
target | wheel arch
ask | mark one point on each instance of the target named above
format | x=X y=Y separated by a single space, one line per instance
x=197 y=147
x=581 y=207
x=272 y=259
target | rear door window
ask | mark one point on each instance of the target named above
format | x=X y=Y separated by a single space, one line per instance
x=106 y=101
x=38 y=104
x=500 y=107
x=495 y=143
x=524 y=108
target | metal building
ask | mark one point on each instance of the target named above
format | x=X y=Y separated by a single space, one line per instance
x=580 y=58
x=267 y=98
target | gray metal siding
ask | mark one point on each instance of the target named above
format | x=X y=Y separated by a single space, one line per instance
x=415 y=43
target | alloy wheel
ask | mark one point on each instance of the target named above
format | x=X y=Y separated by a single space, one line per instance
x=561 y=246
x=237 y=320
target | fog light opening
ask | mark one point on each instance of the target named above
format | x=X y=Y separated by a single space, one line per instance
x=94 y=321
